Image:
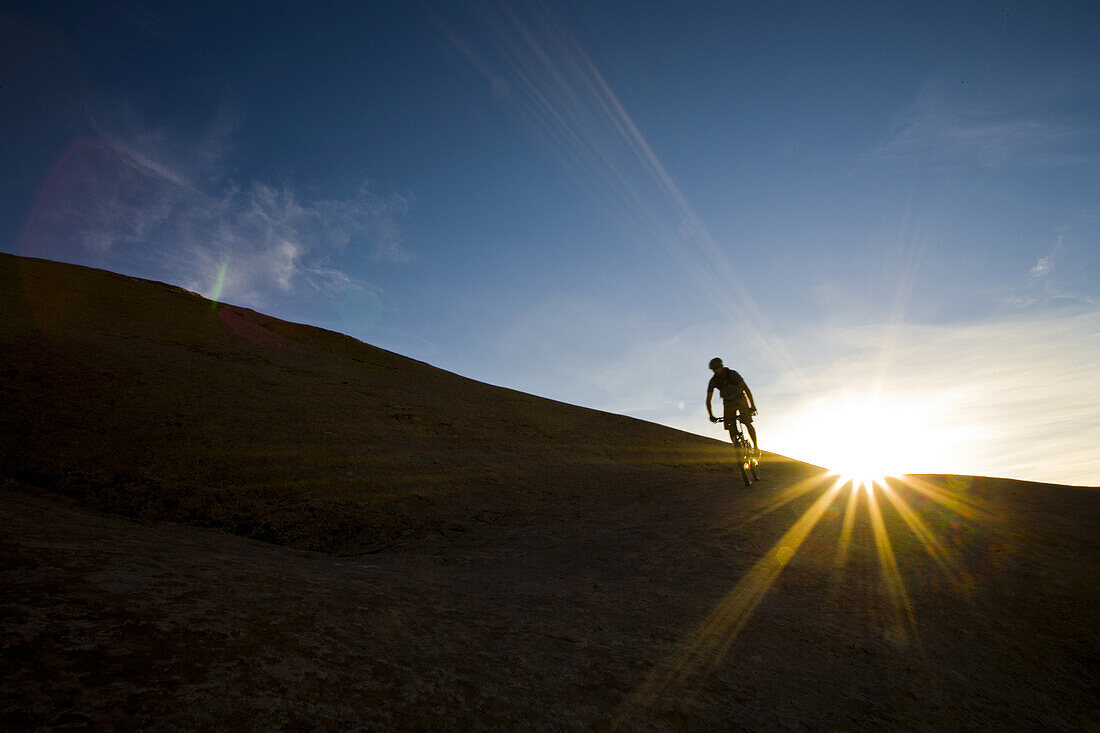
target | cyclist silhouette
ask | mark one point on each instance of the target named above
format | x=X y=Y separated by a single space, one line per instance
x=736 y=398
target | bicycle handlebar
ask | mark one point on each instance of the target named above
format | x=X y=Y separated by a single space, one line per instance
x=723 y=417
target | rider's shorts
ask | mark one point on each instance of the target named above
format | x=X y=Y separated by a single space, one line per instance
x=741 y=407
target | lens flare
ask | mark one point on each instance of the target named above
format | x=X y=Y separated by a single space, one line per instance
x=219 y=282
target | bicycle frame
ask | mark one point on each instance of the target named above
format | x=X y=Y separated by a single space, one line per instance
x=746 y=457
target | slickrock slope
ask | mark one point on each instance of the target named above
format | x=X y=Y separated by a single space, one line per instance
x=150 y=401
x=439 y=553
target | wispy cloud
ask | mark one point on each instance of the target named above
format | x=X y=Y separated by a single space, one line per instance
x=946 y=126
x=1056 y=278
x=125 y=202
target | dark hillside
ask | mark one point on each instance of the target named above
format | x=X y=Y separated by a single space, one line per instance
x=150 y=401
x=442 y=554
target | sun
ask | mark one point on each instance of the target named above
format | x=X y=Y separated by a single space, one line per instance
x=871 y=445
x=863 y=439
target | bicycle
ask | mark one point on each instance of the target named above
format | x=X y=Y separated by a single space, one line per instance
x=747 y=459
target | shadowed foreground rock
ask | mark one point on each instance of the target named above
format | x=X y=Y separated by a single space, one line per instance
x=442 y=553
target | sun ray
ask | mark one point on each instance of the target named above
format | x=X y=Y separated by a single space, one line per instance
x=957 y=502
x=711 y=640
x=786 y=496
x=845 y=540
x=703 y=650
x=904 y=622
x=920 y=529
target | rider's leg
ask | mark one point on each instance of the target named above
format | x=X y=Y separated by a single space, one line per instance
x=752 y=434
x=744 y=416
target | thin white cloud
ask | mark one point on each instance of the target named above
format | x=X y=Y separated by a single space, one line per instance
x=1058 y=277
x=129 y=208
x=1041 y=269
x=947 y=126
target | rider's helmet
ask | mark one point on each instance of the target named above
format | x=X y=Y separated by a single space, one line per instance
x=715 y=363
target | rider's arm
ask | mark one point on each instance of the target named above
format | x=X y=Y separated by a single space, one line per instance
x=752 y=402
x=710 y=392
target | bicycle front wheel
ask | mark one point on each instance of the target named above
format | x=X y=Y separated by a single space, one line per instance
x=741 y=449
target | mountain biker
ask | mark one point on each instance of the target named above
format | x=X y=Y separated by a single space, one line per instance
x=736 y=398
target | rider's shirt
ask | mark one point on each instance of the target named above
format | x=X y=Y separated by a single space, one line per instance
x=729 y=384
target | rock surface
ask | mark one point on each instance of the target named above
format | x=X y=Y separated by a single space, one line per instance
x=214 y=519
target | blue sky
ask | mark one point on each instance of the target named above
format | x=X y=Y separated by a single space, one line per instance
x=885 y=215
